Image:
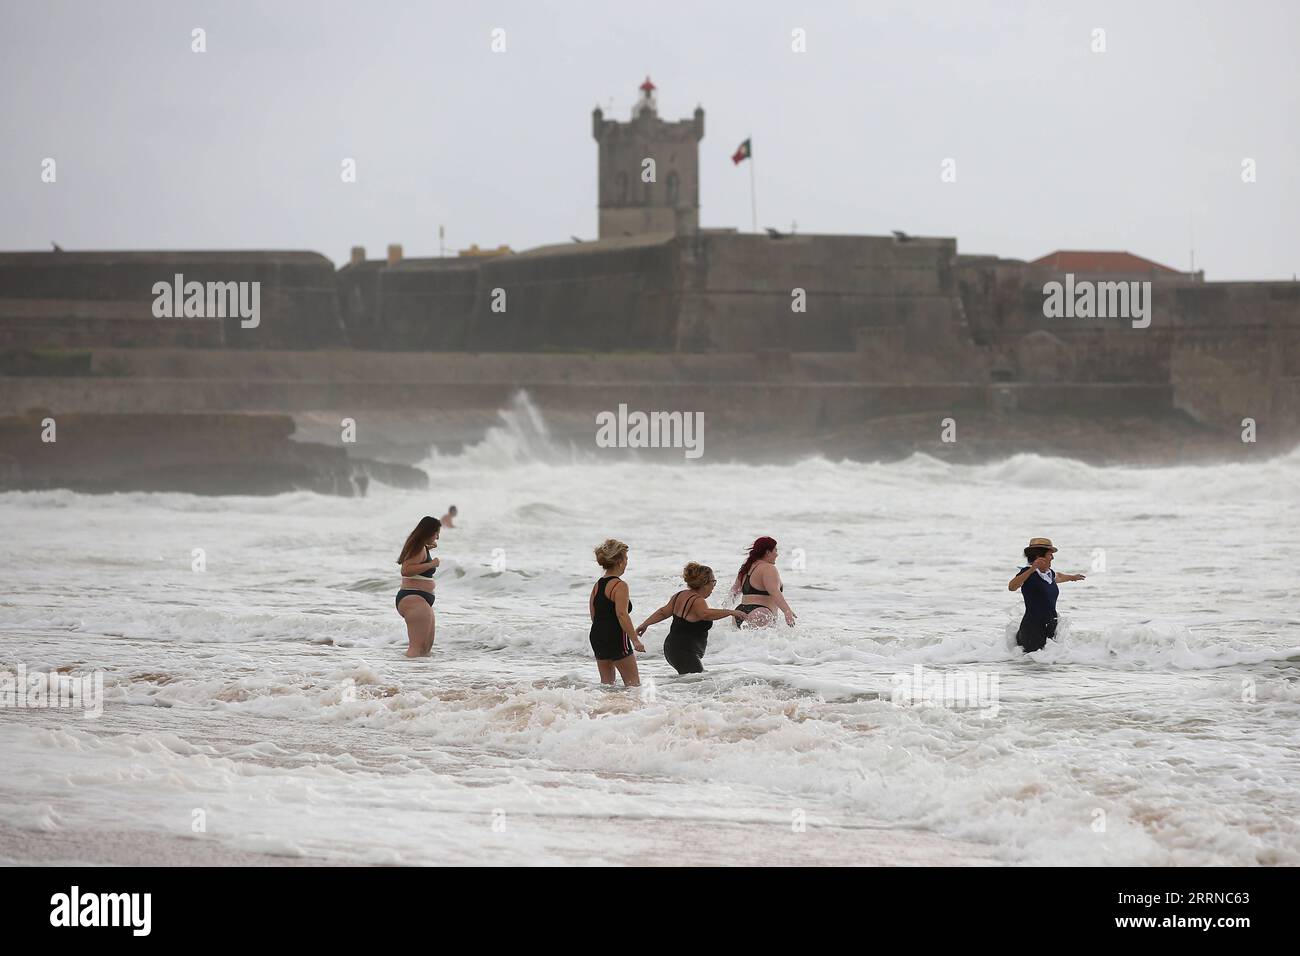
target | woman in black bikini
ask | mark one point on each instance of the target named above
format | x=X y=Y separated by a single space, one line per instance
x=415 y=599
x=692 y=617
x=613 y=636
x=759 y=583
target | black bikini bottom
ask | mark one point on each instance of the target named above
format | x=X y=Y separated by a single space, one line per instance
x=407 y=592
x=748 y=608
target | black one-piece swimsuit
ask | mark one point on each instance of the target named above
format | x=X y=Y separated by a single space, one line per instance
x=607 y=638
x=1039 y=623
x=687 y=641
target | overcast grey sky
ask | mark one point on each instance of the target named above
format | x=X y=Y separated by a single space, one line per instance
x=1136 y=148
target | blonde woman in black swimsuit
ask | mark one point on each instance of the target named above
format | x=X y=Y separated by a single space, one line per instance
x=759 y=584
x=415 y=598
x=692 y=617
x=613 y=635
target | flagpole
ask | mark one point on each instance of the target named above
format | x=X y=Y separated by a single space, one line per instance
x=753 y=196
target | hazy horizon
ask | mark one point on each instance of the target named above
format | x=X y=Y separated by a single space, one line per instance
x=1138 y=148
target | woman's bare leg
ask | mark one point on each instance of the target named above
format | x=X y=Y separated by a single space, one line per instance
x=606 y=669
x=428 y=640
x=418 y=615
x=627 y=669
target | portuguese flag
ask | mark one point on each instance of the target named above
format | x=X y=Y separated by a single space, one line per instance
x=743 y=152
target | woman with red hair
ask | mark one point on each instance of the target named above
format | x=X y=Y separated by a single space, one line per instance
x=759 y=583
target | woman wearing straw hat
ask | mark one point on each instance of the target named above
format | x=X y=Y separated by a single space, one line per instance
x=1037 y=584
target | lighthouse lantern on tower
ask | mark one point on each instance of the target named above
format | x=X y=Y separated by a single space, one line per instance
x=646 y=104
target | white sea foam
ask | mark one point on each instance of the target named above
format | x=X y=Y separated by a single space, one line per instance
x=269 y=689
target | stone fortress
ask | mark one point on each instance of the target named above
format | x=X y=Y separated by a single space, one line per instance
x=897 y=332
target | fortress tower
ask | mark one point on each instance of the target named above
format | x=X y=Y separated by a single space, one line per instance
x=628 y=205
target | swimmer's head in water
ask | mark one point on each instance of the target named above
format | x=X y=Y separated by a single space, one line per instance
x=425 y=532
x=611 y=553
x=761 y=548
x=698 y=576
x=452 y=511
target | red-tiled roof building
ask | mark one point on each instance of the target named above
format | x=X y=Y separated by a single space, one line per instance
x=1088 y=262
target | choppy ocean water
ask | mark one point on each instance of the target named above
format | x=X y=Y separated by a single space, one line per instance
x=262 y=705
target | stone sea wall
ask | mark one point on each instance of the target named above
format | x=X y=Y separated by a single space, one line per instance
x=81 y=299
x=845 y=344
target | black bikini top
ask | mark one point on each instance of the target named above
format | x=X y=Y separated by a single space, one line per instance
x=428 y=556
x=748 y=588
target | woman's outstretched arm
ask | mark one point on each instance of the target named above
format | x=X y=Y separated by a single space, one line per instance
x=701 y=611
x=659 y=615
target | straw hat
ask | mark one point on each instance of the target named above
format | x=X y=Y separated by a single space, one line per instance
x=1040 y=543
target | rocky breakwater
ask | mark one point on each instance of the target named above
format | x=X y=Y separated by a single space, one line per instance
x=212 y=454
